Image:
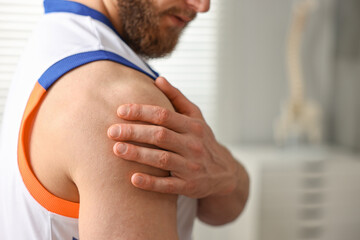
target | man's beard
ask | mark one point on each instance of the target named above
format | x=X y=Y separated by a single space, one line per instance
x=141 y=29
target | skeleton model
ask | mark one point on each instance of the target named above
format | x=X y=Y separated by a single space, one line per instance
x=300 y=119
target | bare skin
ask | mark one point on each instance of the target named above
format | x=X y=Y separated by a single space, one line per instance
x=200 y=167
x=78 y=164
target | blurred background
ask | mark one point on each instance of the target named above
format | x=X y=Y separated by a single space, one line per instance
x=278 y=81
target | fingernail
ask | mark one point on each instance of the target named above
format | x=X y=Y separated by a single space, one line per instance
x=123 y=110
x=138 y=180
x=163 y=79
x=121 y=148
x=114 y=132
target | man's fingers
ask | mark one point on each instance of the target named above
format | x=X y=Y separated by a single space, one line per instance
x=152 y=157
x=154 y=115
x=171 y=185
x=178 y=100
x=149 y=134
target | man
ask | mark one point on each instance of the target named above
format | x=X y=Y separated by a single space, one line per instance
x=60 y=178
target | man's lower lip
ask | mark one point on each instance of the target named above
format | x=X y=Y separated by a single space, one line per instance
x=177 y=21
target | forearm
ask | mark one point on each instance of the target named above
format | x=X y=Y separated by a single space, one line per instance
x=222 y=209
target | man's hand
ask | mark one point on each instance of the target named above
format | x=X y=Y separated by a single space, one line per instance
x=200 y=167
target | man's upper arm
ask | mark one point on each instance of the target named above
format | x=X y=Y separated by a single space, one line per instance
x=110 y=207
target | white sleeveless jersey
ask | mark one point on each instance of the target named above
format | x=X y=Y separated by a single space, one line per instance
x=69 y=35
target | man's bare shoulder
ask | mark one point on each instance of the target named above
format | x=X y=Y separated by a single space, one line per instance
x=112 y=81
x=76 y=157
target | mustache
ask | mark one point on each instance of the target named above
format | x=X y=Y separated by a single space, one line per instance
x=190 y=14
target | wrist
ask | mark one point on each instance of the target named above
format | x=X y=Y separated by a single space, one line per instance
x=239 y=184
x=237 y=178
x=231 y=183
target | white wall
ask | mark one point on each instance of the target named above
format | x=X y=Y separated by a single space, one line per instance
x=347 y=74
x=253 y=73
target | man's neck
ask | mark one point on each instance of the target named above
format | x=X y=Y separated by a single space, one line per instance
x=107 y=7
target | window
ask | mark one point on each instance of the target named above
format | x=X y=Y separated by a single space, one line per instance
x=191 y=68
x=17 y=19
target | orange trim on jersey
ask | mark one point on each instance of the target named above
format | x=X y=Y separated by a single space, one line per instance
x=49 y=201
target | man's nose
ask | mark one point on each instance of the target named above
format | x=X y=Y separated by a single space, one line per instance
x=199 y=5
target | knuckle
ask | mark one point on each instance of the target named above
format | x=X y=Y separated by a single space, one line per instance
x=133 y=152
x=161 y=135
x=162 y=115
x=149 y=183
x=190 y=187
x=196 y=109
x=164 y=160
x=170 y=187
x=126 y=131
x=198 y=128
x=135 y=110
x=196 y=148
x=195 y=167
